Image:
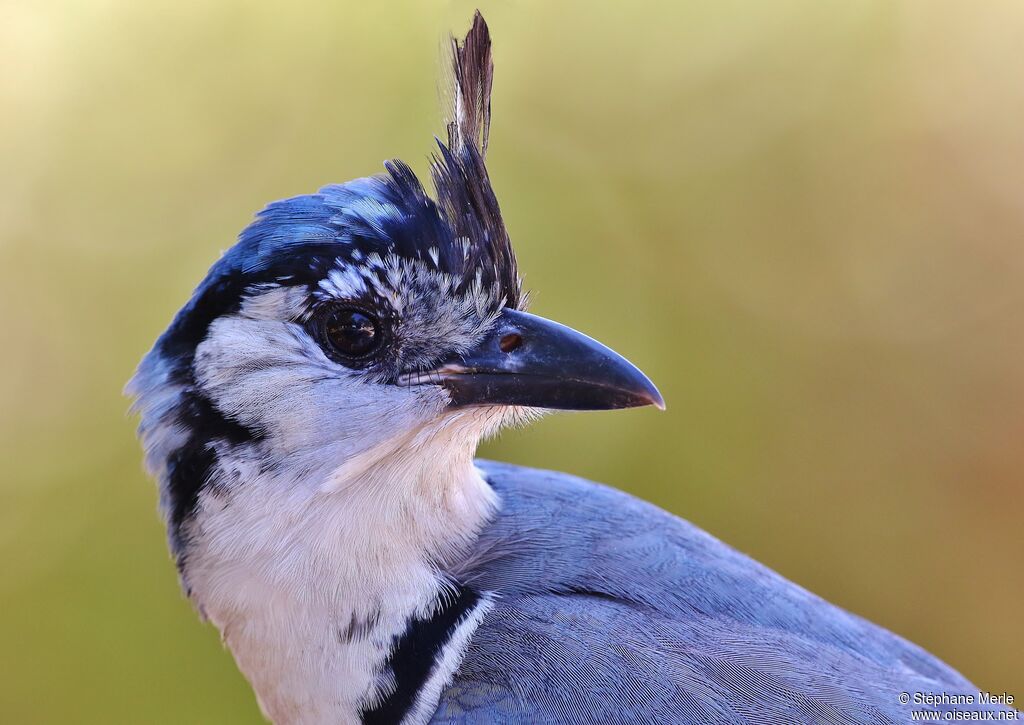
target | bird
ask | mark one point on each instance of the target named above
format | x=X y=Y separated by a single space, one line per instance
x=312 y=415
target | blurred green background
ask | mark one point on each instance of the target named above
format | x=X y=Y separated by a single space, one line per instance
x=803 y=219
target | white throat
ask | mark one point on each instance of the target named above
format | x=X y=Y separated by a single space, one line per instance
x=312 y=576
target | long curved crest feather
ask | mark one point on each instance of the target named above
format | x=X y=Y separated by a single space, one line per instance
x=473 y=71
x=463 y=188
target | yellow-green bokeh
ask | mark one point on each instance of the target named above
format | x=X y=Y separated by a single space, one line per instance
x=803 y=218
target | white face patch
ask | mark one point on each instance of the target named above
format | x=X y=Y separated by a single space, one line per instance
x=313 y=413
x=317 y=416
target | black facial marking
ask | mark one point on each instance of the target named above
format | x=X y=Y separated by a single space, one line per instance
x=190 y=466
x=415 y=654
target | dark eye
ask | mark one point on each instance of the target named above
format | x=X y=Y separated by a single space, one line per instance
x=351 y=332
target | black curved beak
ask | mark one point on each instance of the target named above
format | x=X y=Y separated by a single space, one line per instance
x=529 y=361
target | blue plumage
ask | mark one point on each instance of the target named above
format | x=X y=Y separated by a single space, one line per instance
x=612 y=610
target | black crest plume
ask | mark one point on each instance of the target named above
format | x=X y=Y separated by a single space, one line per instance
x=473 y=74
x=463 y=188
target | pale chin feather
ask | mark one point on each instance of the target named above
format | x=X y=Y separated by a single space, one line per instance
x=454 y=435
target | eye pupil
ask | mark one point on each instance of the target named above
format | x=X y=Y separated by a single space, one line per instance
x=352 y=332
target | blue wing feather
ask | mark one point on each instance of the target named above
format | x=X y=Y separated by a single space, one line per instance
x=612 y=610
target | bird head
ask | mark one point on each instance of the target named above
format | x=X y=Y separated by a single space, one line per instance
x=365 y=324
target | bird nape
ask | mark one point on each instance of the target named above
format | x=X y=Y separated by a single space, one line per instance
x=312 y=416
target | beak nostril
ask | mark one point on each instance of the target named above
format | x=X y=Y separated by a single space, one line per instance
x=510 y=342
